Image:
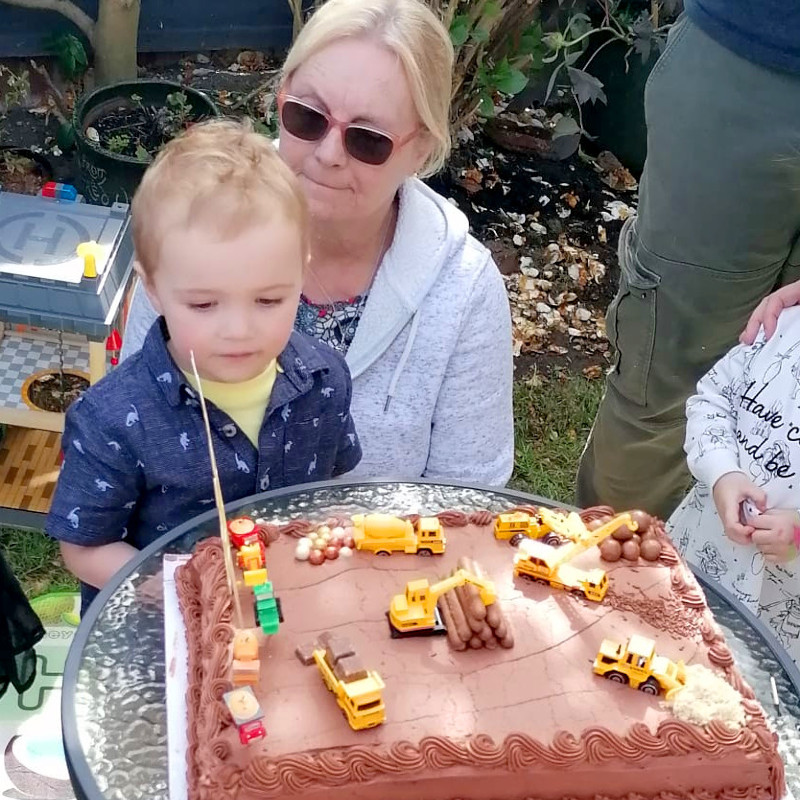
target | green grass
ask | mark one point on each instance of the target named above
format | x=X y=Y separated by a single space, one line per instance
x=553 y=415
x=35 y=560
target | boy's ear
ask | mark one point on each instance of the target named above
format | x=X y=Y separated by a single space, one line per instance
x=147 y=283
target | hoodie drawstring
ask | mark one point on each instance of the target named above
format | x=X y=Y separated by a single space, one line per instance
x=402 y=362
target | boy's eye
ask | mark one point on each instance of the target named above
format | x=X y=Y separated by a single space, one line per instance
x=201 y=306
x=268 y=301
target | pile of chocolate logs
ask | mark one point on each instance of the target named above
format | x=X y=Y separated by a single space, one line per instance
x=631 y=545
x=470 y=623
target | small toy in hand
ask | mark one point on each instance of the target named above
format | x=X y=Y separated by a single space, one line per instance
x=748 y=511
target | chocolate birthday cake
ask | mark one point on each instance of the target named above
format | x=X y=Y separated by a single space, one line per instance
x=510 y=711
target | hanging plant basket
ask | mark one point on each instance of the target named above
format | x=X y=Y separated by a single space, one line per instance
x=120 y=128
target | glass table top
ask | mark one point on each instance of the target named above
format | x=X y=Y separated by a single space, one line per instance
x=114 y=695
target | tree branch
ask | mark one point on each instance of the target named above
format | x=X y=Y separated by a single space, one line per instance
x=63 y=7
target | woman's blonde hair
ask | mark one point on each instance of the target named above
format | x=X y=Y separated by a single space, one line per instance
x=410 y=30
x=220 y=175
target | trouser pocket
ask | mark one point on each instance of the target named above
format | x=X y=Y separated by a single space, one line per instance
x=631 y=321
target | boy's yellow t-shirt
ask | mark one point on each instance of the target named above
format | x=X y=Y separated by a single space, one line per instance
x=245 y=403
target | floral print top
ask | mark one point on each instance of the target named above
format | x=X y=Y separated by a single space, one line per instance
x=332 y=323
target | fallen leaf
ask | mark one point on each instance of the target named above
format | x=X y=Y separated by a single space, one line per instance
x=471 y=180
x=570 y=199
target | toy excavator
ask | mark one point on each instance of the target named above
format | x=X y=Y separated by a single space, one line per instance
x=540 y=562
x=414 y=613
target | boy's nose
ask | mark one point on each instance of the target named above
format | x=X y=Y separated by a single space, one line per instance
x=237 y=325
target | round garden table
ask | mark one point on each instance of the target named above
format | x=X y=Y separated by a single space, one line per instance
x=114 y=691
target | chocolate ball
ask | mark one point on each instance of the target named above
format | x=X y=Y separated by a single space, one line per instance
x=350 y=542
x=345 y=552
x=316 y=557
x=636 y=538
x=648 y=534
x=641 y=518
x=650 y=549
x=630 y=551
x=331 y=553
x=623 y=533
x=336 y=541
x=610 y=550
x=596 y=523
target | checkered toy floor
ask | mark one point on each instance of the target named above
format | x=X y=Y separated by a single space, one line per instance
x=23 y=355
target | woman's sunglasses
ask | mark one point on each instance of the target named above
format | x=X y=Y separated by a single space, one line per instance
x=370 y=145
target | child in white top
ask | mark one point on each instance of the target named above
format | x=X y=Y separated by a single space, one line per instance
x=743 y=444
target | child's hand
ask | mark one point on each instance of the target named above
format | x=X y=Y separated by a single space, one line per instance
x=775 y=534
x=730 y=491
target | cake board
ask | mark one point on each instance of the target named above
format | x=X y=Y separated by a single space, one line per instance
x=177 y=678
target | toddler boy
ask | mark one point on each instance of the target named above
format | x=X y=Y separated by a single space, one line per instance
x=220 y=230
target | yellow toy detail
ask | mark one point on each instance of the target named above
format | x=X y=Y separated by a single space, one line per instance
x=540 y=562
x=384 y=534
x=415 y=613
x=255 y=577
x=636 y=664
x=551 y=526
x=358 y=691
x=250 y=557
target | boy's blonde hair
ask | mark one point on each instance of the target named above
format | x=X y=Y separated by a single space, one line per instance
x=410 y=30
x=220 y=175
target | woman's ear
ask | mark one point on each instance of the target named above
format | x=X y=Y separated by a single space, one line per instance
x=422 y=148
x=149 y=287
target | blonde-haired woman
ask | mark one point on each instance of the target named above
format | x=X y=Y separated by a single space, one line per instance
x=395 y=281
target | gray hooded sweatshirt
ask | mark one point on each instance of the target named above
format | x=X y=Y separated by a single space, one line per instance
x=431 y=359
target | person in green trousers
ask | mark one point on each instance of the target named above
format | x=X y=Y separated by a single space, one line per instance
x=718 y=228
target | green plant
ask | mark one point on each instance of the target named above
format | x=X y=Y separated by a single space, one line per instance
x=118 y=143
x=639 y=24
x=14 y=87
x=69 y=53
x=180 y=108
x=497 y=45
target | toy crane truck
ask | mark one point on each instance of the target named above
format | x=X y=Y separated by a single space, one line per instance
x=384 y=534
x=549 y=526
x=414 y=613
x=539 y=562
x=358 y=692
x=636 y=664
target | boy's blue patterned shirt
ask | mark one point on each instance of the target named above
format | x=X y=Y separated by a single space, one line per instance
x=136 y=460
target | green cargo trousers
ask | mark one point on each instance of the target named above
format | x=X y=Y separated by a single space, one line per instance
x=718 y=228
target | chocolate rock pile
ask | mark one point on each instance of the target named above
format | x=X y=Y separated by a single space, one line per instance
x=627 y=544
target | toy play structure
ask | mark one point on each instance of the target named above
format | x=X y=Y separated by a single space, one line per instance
x=65 y=266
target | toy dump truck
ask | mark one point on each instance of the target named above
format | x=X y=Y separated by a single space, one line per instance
x=636 y=664
x=384 y=534
x=358 y=691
